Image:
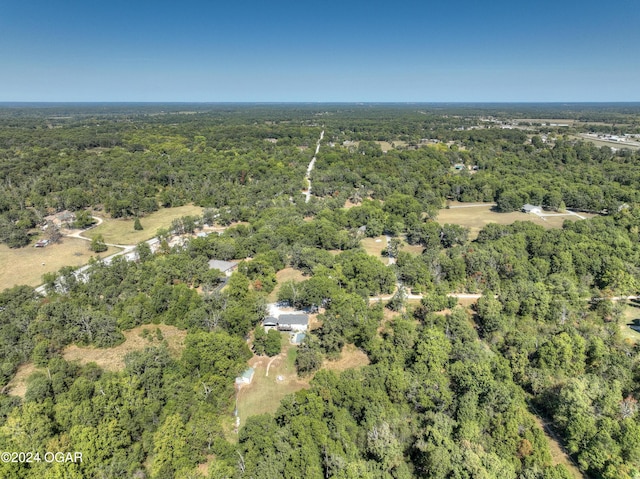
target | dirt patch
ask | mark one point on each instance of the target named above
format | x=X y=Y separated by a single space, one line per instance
x=112 y=359
x=350 y=358
x=18 y=385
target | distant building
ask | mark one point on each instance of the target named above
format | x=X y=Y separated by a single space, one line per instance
x=531 y=209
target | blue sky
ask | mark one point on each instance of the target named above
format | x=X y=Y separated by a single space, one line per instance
x=446 y=50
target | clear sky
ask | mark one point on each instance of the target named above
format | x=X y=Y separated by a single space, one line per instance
x=350 y=50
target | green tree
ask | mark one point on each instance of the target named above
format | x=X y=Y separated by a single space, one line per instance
x=98 y=245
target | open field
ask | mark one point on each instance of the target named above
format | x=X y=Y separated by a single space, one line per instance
x=413 y=249
x=475 y=218
x=612 y=144
x=282 y=276
x=109 y=359
x=375 y=246
x=385 y=146
x=27 y=265
x=120 y=231
x=264 y=393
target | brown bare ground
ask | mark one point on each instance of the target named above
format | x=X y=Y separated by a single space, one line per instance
x=112 y=359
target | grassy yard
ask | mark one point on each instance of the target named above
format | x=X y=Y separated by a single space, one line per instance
x=110 y=359
x=27 y=265
x=475 y=218
x=120 y=231
x=264 y=393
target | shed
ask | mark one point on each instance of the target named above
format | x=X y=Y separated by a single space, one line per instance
x=531 y=209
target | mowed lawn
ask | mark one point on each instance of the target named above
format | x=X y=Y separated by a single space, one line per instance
x=264 y=393
x=477 y=217
x=120 y=231
x=27 y=265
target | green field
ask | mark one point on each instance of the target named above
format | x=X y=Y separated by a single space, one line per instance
x=120 y=231
x=264 y=393
x=477 y=217
x=27 y=265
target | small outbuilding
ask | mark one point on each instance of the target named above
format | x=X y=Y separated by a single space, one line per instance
x=532 y=209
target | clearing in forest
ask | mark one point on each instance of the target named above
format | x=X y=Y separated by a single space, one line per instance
x=264 y=393
x=110 y=359
x=477 y=217
x=120 y=231
x=350 y=358
x=631 y=317
x=27 y=265
x=375 y=247
x=286 y=274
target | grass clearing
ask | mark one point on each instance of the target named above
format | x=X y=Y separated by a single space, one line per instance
x=120 y=231
x=558 y=455
x=631 y=315
x=109 y=359
x=375 y=246
x=264 y=393
x=287 y=274
x=476 y=218
x=112 y=359
x=350 y=358
x=385 y=146
x=25 y=265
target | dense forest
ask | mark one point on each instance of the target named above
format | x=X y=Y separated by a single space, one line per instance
x=450 y=391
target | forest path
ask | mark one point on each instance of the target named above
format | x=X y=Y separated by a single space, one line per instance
x=307 y=193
